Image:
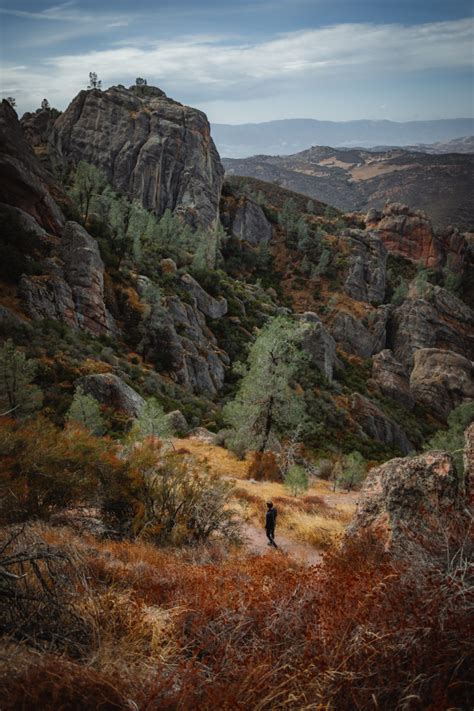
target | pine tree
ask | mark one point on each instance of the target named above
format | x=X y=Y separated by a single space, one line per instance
x=94 y=82
x=151 y=422
x=296 y=481
x=267 y=404
x=18 y=395
x=88 y=183
x=85 y=412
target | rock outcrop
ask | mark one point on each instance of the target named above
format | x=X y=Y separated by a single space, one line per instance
x=110 y=390
x=409 y=496
x=355 y=338
x=149 y=147
x=391 y=378
x=250 y=224
x=367 y=267
x=441 y=380
x=436 y=319
x=71 y=291
x=177 y=422
x=23 y=182
x=207 y=304
x=318 y=344
x=375 y=424
x=410 y=234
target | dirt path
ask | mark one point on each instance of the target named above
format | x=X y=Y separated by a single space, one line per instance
x=257 y=543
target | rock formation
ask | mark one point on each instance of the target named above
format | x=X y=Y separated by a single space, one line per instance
x=23 y=182
x=368 y=257
x=110 y=390
x=318 y=344
x=250 y=224
x=391 y=378
x=408 y=496
x=441 y=380
x=148 y=146
x=436 y=319
x=375 y=424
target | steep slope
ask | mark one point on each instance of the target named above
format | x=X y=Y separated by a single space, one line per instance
x=355 y=179
x=169 y=315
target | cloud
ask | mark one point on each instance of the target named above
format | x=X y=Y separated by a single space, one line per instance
x=218 y=67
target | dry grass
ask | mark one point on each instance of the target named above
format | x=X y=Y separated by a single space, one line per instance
x=219 y=459
x=173 y=630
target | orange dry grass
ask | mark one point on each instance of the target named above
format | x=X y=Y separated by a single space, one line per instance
x=173 y=631
x=218 y=459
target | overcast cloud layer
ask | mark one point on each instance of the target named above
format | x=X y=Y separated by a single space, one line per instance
x=342 y=71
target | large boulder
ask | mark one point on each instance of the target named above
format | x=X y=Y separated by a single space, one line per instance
x=149 y=147
x=407 y=497
x=318 y=344
x=177 y=422
x=367 y=267
x=433 y=319
x=441 y=380
x=250 y=224
x=375 y=424
x=110 y=390
x=391 y=378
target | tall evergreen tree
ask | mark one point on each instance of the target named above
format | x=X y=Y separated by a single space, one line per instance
x=267 y=404
x=18 y=395
x=85 y=411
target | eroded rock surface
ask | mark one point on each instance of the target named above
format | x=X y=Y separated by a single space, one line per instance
x=408 y=496
x=250 y=224
x=391 y=377
x=375 y=424
x=149 y=147
x=367 y=267
x=319 y=344
x=441 y=380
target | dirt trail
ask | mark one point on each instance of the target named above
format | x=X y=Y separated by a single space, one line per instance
x=257 y=543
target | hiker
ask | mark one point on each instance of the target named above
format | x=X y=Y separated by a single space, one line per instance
x=270 y=520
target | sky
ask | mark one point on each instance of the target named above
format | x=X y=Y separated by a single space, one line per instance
x=245 y=61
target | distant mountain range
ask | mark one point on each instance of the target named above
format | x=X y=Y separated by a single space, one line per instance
x=289 y=136
x=358 y=179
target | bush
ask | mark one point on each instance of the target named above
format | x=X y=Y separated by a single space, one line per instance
x=296 y=480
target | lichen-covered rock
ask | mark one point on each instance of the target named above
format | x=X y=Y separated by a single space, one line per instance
x=318 y=344
x=367 y=267
x=149 y=147
x=110 y=390
x=391 y=377
x=441 y=380
x=48 y=296
x=250 y=224
x=375 y=424
x=407 y=497
x=437 y=319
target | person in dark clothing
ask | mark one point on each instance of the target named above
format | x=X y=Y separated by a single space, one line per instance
x=270 y=521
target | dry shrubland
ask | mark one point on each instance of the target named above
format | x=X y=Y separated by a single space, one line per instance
x=148 y=628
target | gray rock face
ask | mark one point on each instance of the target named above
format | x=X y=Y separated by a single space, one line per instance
x=367 y=267
x=23 y=182
x=437 y=320
x=108 y=389
x=48 y=296
x=150 y=148
x=374 y=423
x=408 y=496
x=391 y=377
x=354 y=337
x=250 y=224
x=319 y=344
x=211 y=307
x=84 y=272
x=193 y=355
x=441 y=380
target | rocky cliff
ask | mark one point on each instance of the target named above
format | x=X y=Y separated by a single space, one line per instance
x=149 y=147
